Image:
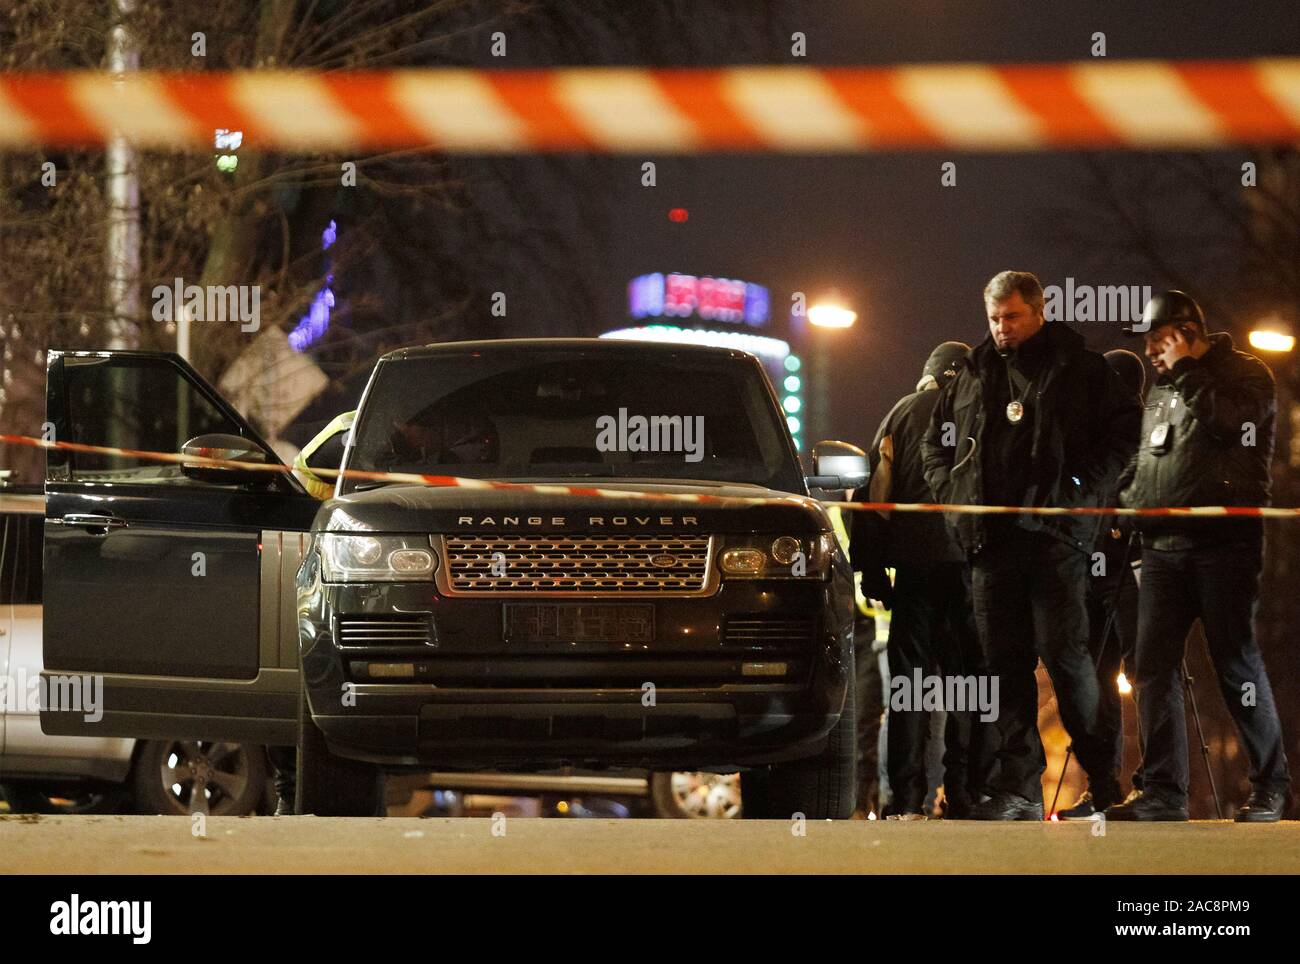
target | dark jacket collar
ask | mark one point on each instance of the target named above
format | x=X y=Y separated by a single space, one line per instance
x=1221 y=345
x=1221 y=348
x=1063 y=344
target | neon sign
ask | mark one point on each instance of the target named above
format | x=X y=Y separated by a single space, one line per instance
x=684 y=296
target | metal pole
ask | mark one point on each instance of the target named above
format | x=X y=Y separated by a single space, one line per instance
x=820 y=394
x=123 y=189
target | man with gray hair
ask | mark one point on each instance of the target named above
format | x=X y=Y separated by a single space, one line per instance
x=1035 y=419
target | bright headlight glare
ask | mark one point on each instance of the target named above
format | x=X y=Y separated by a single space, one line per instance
x=375 y=558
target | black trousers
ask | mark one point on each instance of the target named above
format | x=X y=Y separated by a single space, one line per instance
x=1219 y=584
x=870 y=712
x=1112 y=641
x=1029 y=591
x=931 y=629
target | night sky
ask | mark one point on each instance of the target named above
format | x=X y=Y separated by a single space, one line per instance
x=909 y=255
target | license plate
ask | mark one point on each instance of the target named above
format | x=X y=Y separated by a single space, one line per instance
x=578 y=623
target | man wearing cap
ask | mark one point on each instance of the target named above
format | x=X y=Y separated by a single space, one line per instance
x=1034 y=419
x=931 y=632
x=1207 y=439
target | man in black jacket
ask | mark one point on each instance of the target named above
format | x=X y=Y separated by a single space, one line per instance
x=1207 y=439
x=931 y=630
x=1033 y=419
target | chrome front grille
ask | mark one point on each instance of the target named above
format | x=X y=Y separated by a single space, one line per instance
x=576 y=564
x=383 y=631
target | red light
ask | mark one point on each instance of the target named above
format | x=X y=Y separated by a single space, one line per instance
x=678 y=215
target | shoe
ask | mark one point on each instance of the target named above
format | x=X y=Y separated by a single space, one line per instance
x=911 y=815
x=1262 y=807
x=1147 y=806
x=1007 y=806
x=283 y=807
x=1084 y=809
x=1091 y=803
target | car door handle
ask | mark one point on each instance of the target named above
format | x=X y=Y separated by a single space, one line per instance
x=83 y=520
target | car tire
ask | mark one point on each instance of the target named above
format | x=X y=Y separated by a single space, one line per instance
x=244 y=774
x=667 y=803
x=329 y=785
x=821 y=787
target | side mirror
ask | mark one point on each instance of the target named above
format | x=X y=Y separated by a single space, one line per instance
x=838 y=465
x=235 y=448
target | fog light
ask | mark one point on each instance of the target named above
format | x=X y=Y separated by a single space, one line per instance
x=742 y=561
x=410 y=561
x=763 y=669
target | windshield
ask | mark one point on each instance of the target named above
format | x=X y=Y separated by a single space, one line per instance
x=529 y=415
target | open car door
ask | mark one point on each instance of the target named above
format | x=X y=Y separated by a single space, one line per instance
x=168 y=592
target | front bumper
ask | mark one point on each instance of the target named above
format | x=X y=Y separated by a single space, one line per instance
x=471 y=700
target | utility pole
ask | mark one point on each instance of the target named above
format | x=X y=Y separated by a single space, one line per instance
x=123 y=188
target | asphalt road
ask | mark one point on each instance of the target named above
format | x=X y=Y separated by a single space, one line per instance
x=270 y=845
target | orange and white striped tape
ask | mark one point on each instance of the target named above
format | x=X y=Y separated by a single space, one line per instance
x=586 y=491
x=1100 y=103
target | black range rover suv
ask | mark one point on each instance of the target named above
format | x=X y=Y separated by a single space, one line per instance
x=465 y=627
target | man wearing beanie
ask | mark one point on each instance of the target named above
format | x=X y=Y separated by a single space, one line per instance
x=1035 y=419
x=931 y=629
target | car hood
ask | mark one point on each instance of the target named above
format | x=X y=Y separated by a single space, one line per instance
x=417 y=508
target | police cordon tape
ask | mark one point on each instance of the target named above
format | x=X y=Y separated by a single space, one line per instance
x=1144 y=104
x=584 y=491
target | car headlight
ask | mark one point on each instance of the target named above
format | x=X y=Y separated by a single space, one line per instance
x=777 y=557
x=376 y=558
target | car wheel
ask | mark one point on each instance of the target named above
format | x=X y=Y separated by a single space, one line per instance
x=697 y=796
x=331 y=786
x=198 y=776
x=822 y=787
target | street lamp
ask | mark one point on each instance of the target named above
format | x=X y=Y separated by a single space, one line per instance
x=1272 y=339
x=830 y=314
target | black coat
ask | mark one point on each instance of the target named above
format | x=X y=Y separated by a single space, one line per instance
x=1220 y=411
x=1084 y=431
x=899 y=539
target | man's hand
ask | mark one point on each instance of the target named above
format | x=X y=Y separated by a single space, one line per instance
x=1174 y=348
